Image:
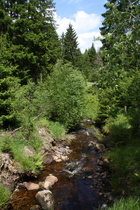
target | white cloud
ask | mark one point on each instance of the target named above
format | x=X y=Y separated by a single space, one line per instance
x=86 y=39
x=85 y=25
x=85 y=22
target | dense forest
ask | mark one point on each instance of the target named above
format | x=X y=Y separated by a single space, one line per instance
x=45 y=80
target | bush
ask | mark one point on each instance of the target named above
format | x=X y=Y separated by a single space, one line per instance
x=118 y=129
x=4 y=195
x=67 y=95
x=91 y=107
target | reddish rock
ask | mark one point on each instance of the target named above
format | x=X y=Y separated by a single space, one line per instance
x=31 y=186
x=49 y=181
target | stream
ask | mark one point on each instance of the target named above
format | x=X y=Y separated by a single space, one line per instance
x=78 y=183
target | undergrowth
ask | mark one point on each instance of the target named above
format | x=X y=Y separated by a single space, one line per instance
x=124 y=153
x=4 y=195
x=14 y=145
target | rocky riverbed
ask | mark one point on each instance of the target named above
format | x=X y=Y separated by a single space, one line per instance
x=74 y=175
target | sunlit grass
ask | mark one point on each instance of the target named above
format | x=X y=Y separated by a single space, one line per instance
x=4 y=195
x=126 y=204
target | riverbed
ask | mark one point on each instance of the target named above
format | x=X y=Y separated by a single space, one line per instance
x=79 y=183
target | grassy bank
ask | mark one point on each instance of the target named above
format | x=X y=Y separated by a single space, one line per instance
x=124 y=155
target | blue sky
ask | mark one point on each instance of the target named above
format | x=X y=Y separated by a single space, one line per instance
x=84 y=15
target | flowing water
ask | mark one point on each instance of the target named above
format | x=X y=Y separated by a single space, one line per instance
x=77 y=179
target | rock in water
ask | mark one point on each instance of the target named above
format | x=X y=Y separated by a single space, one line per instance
x=31 y=186
x=45 y=199
x=49 y=182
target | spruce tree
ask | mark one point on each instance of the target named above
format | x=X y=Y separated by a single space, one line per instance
x=70 y=46
x=33 y=36
x=89 y=64
x=8 y=86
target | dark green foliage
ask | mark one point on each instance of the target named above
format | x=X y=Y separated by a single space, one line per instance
x=34 y=41
x=29 y=48
x=119 y=94
x=70 y=50
x=89 y=64
x=8 y=86
x=120 y=55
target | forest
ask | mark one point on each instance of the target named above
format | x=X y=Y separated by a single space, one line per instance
x=45 y=80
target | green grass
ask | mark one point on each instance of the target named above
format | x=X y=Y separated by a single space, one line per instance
x=4 y=195
x=124 y=155
x=125 y=166
x=57 y=129
x=118 y=129
x=15 y=147
x=126 y=204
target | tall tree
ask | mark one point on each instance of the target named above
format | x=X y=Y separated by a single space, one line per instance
x=34 y=38
x=90 y=64
x=120 y=52
x=120 y=38
x=70 y=46
x=8 y=86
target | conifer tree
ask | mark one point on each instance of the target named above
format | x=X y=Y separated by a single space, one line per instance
x=71 y=51
x=33 y=36
x=8 y=86
x=89 y=64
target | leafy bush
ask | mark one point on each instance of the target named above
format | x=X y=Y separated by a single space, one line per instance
x=91 y=107
x=67 y=94
x=123 y=204
x=4 y=195
x=118 y=129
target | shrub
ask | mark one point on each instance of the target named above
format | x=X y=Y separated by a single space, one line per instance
x=67 y=94
x=91 y=107
x=118 y=129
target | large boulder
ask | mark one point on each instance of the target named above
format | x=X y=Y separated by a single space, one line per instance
x=45 y=199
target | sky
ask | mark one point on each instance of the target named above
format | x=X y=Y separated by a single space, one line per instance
x=85 y=16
